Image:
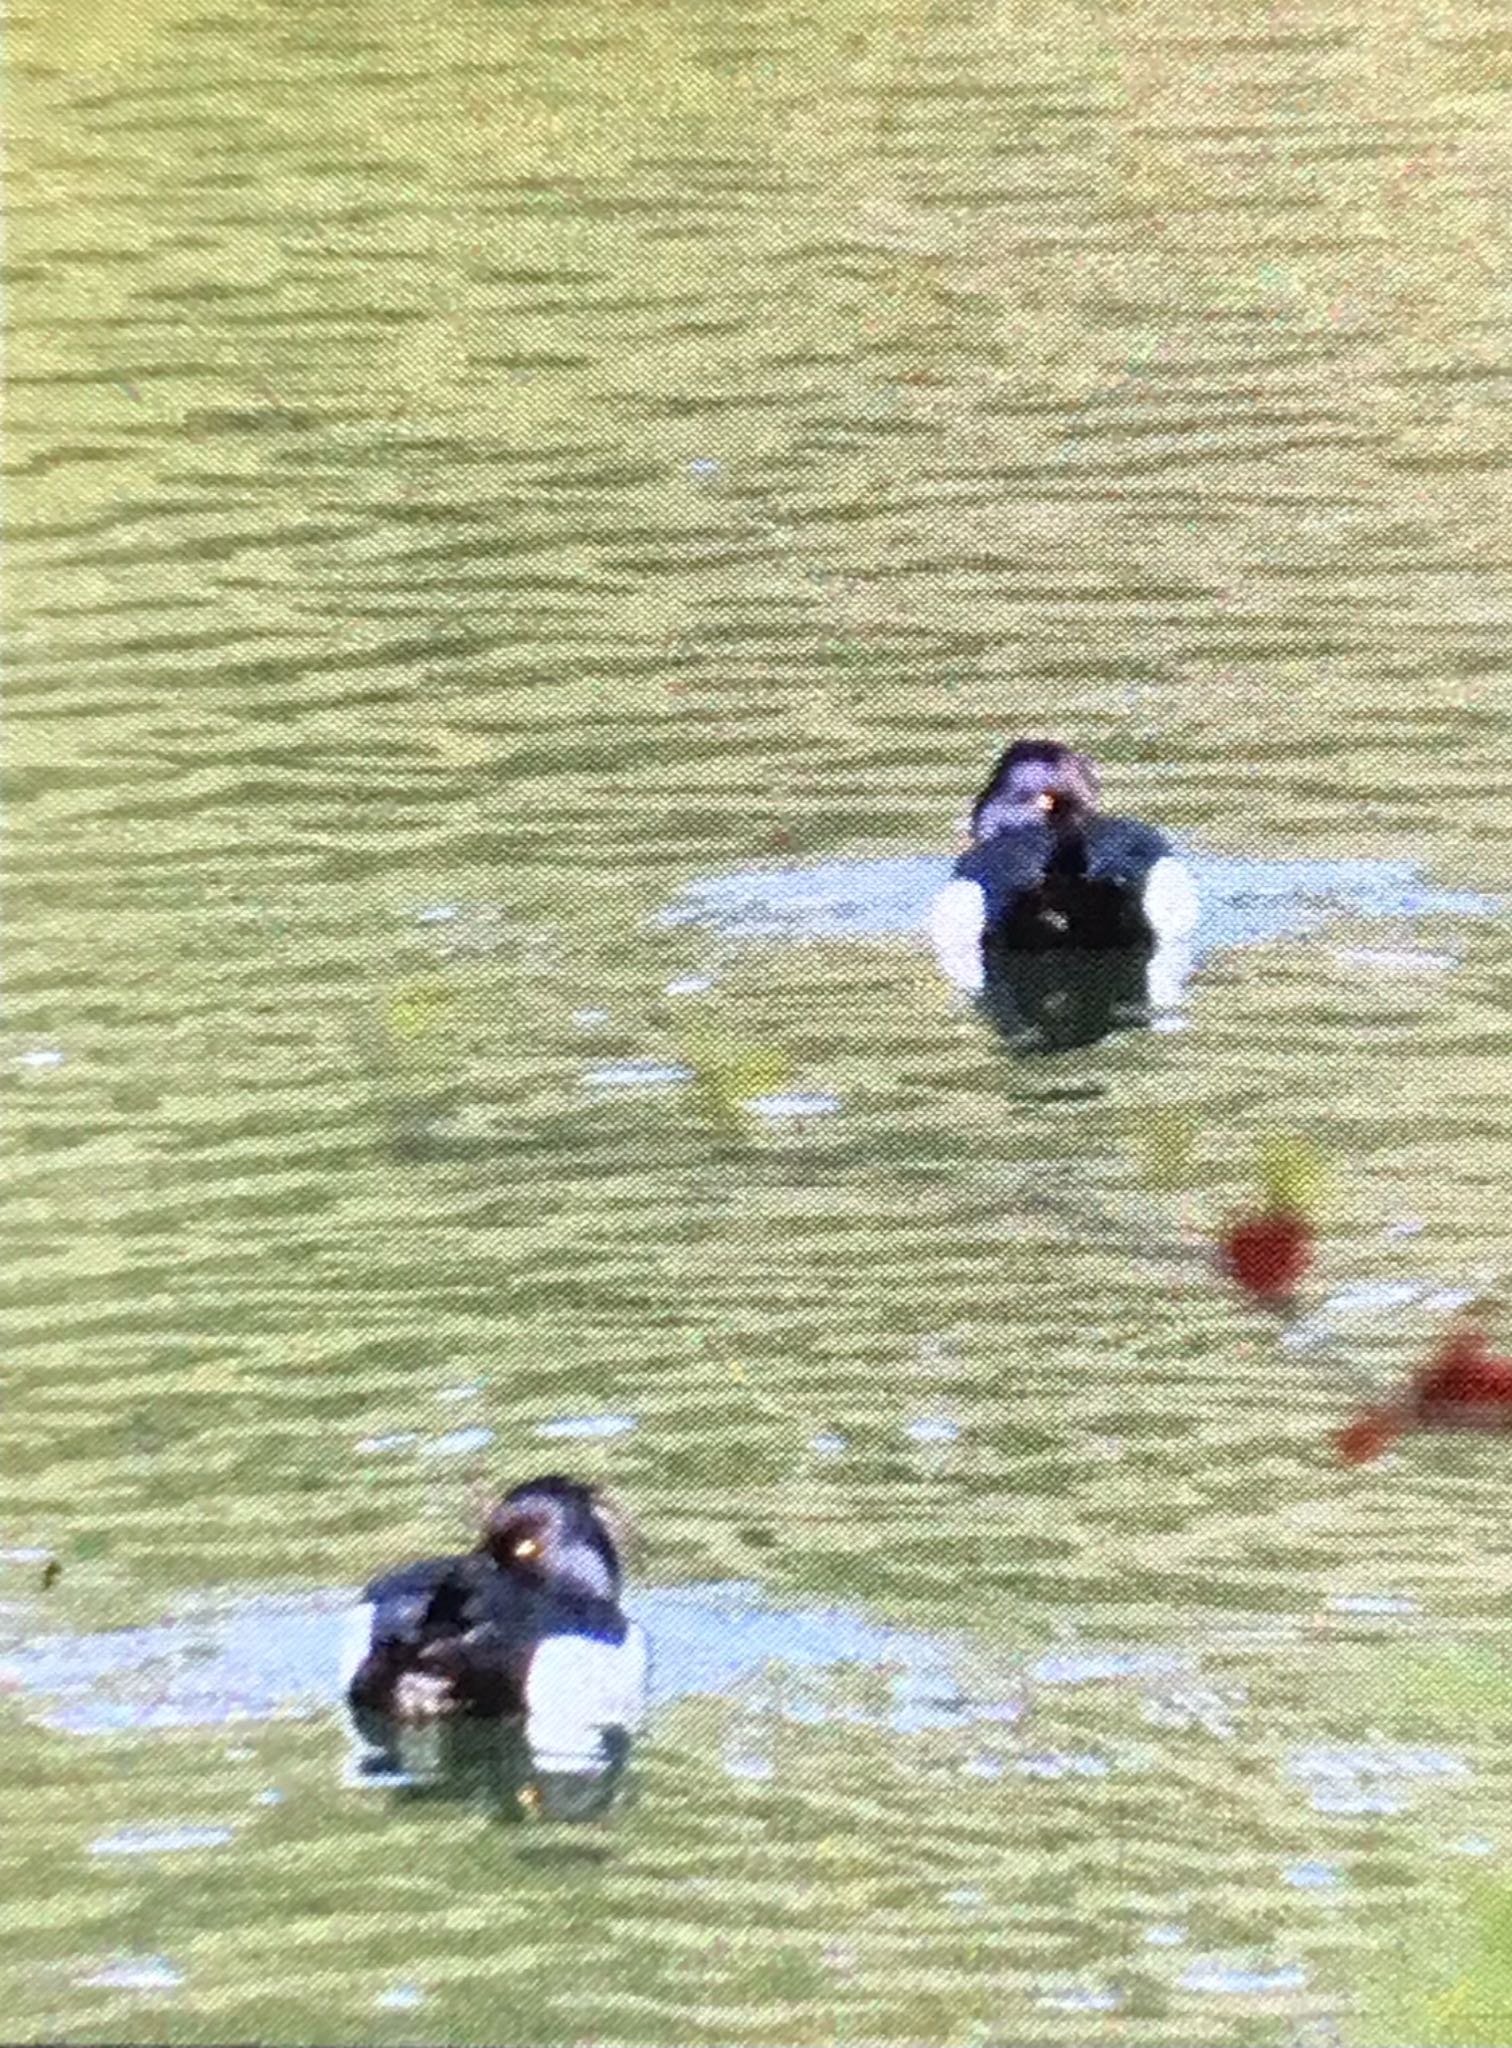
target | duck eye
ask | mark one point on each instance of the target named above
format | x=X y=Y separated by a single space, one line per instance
x=1046 y=800
x=526 y=1547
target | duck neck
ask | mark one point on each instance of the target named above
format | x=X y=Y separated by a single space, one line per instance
x=1068 y=841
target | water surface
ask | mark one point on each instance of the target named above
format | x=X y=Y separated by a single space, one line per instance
x=481 y=482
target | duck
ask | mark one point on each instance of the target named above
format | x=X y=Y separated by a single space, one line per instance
x=1046 y=871
x=525 y=1629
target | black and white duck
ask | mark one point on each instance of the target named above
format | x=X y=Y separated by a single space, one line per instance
x=1047 y=872
x=524 y=1629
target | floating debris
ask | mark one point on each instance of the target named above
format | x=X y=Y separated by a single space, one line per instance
x=421 y=1007
x=927 y=1698
x=591 y=1427
x=160 y=1841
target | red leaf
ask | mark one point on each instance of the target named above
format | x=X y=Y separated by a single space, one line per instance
x=1465 y=1374
x=1267 y=1252
x=1369 y=1434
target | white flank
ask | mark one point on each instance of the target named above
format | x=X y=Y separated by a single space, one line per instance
x=578 y=1690
x=1170 y=899
x=957 y=919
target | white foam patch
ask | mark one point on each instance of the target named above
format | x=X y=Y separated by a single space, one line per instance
x=135 y=1973
x=632 y=1074
x=160 y=1841
x=457 y=1443
x=400 y=1998
x=1080 y=1998
x=777 y=1107
x=932 y=1429
x=588 y=1428
x=1225 y=1978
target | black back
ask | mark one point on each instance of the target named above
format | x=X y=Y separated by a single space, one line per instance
x=1051 y=889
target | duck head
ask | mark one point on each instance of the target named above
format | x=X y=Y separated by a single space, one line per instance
x=555 y=1533
x=1036 y=781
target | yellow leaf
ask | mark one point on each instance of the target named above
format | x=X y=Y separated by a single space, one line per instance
x=418 y=1007
x=728 y=1074
x=1293 y=1173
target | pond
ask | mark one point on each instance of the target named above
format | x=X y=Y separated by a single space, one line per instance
x=527 y=525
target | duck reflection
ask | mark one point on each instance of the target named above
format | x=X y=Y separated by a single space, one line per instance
x=1051 y=1001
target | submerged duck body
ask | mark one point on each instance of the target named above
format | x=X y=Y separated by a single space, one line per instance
x=1047 y=872
x=526 y=1629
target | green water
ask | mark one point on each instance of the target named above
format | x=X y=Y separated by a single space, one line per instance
x=526 y=457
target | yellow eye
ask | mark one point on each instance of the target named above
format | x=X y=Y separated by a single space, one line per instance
x=1046 y=800
x=526 y=1547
